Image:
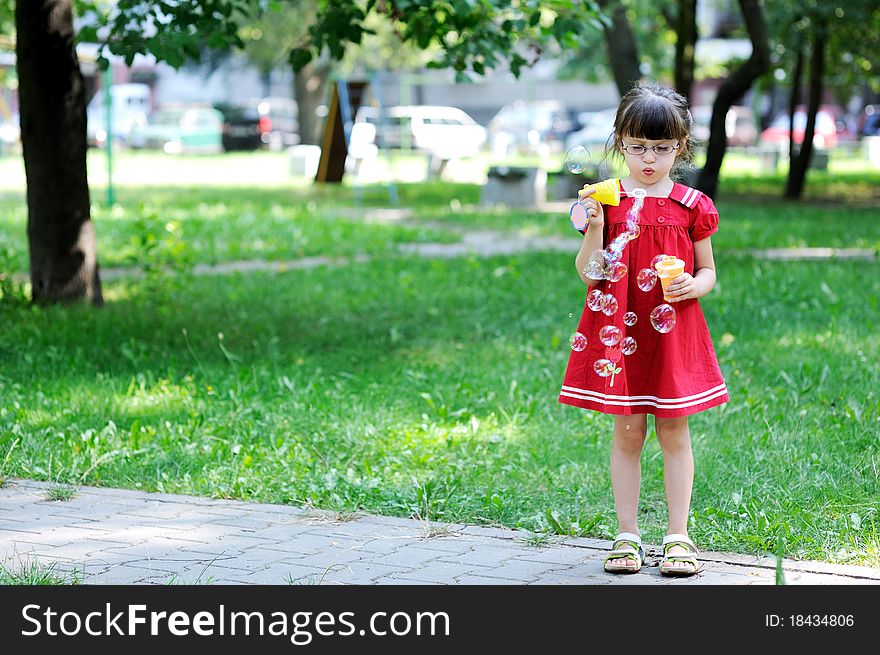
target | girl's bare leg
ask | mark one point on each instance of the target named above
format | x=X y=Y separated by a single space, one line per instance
x=678 y=474
x=626 y=470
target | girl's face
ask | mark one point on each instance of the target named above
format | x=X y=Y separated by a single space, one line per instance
x=649 y=161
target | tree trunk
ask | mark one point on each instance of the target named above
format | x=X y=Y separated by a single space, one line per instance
x=685 y=44
x=797 y=170
x=309 y=89
x=623 y=51
x=733 y=88
x=795 y=99
x=63 y=252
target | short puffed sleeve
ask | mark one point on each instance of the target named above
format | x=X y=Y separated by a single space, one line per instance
x=705 y=219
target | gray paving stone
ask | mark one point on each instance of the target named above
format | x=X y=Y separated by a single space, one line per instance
x=482 y=580
x=519 y=570
x=449 y=544
x=359 y=572
x=411 y=558
x=384 y=545
x=561 y=577
x=334 y=556
x=556 y=555
x=391 y=580
x=444 y=572
x=485 y=555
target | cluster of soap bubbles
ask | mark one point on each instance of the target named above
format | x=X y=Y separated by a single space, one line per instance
x=606 y=264
x=577 y=159
x=602 y=302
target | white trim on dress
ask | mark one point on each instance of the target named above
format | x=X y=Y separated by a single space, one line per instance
x=652 y=401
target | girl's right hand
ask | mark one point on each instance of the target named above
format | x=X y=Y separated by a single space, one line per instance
x=595 y=212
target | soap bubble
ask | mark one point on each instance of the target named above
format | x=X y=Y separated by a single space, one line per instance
x=610 y=335
x=633 y=231
x=663 y=318
x=594 y=300
x=577 y=341
x=609 y=305
x=616 y=272
x=639 y=194
x=603 y=367
x=615 y=249
x=594 y=270
x=630 y=318
x=646 y=279
x=628 y=346
x=656 y=260
x=577 y=159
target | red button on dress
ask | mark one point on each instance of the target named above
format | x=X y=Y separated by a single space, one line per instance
x=668 y=375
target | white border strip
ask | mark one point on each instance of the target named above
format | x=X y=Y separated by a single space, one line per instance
x=689 y=197
x=604 y=401
x=720 y=387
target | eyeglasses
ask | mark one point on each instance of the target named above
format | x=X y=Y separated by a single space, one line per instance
x=662 y=149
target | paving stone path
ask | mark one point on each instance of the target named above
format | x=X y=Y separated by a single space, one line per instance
x=117 y=536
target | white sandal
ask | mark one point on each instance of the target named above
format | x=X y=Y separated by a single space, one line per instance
x=626 y=546
x=688 y=557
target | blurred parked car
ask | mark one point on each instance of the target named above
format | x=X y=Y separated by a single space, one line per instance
x=445 y=131
x=526 y=125
x=739 y=125
x=181 y=129
x=251 y=125
x=870 y=121
x=831 y=127
x=594 y=134
x=281 y=122
x=130 y=107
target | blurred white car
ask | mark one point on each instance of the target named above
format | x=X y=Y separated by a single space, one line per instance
x=594 y=134
x=446 y=132
x=530 y=126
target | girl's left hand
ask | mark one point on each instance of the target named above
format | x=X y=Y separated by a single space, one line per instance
x=684 y=287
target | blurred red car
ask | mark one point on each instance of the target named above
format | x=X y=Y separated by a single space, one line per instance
x=831 y=127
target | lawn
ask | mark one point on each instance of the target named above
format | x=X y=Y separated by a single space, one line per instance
x=428 y=388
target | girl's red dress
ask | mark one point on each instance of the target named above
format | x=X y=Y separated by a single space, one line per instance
x=672 y=374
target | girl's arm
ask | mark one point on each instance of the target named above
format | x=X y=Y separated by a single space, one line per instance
x=592 y=239
x=685 y=286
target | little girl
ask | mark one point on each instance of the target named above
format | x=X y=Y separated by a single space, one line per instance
x=669 y=374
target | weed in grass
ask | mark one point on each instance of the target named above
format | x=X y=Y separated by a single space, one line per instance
x=313 y=578
x=6 y=462
x=60 y=492
x=539 y=539
x=31 y=571
x=177 y=580
x=780 y=554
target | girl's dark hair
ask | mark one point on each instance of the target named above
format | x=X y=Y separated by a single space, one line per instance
x=653 y=112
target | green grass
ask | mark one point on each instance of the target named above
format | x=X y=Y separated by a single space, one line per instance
x=180 y=226
x=428 y=388
x=60 y=492
x=32 y=572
